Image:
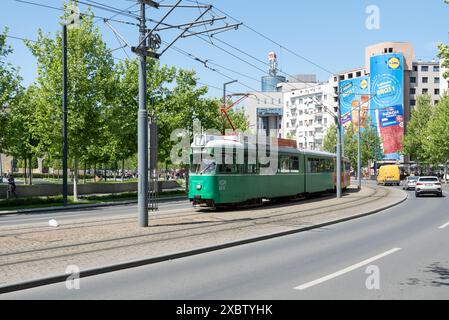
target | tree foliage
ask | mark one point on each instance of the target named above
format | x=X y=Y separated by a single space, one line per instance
x=417 y=129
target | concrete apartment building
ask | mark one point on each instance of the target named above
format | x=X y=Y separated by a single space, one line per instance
x=425 y=78
x=306 y=116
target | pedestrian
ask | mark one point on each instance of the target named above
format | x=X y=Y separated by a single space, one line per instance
x=12 y=185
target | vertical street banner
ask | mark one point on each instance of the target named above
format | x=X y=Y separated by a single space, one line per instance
x=387 y=103
x=354 y=95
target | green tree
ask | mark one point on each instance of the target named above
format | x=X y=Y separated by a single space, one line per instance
x=330 y=139
x=370 y=145
x=436 y=141
x=417 y=130
x=444 y=54
x=21 y=141
x=90 y=88
x=10 y=86
x=122 y=116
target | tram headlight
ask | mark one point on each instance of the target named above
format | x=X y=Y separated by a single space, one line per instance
x=198 y=187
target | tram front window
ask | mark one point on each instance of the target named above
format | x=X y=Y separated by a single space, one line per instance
x=206 y=166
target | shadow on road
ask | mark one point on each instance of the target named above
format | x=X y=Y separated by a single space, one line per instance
x=441 y=273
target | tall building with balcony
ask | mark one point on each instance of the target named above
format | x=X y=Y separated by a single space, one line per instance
x=307 y=115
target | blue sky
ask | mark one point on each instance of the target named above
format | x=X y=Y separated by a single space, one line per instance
x=330 y=33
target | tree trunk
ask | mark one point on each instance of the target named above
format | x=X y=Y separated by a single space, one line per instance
x=187 y=179
x=25 y=169
x=75 y=181
x=84 y=176
x=31 y=171
x=105 y=173
x=123 y=170
x=445 y=172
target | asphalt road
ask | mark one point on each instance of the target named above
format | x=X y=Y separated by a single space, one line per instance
x=404 y=250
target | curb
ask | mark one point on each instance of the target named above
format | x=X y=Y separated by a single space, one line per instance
x=84 y=206
x=183 y=254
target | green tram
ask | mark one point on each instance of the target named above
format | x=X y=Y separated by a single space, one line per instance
x=298 y=173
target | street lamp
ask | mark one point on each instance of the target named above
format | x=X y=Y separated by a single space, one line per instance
x=72 y=21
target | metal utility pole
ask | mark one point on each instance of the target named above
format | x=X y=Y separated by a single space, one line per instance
x=359 y=160
x=142 y=127
x=224 y=100
x=64 y=115
x=149 y=42
x=338 y=187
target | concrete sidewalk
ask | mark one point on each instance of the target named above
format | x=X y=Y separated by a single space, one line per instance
x=37 y=251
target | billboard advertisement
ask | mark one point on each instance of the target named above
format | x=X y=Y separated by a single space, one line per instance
x=387 y=103
x=354 y=94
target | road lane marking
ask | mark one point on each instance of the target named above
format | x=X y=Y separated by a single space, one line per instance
x=444 y=226
x=346 y=270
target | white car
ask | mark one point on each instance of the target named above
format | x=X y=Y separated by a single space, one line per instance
x=410 y=183
x=428 y=185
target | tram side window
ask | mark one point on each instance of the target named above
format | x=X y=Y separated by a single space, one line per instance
x=316 y=165
x=294 y=164
x=227 y=169
x=284 y=164
x=347 y=167
x=252 y=168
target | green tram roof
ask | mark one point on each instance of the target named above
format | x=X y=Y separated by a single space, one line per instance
x=225 y=143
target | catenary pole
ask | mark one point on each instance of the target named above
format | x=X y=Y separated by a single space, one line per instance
x=142 y=123
x=338 y=187
x=64 y=115
x=359 y=160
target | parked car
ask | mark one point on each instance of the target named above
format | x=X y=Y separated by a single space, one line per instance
x=389 y=175
x=410 y=183
x=428 y=185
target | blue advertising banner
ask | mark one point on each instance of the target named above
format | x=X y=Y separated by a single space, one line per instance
x=354 y=94
x=387 y=103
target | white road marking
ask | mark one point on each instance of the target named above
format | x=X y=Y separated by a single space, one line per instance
x=346 y=270
x=444 y=226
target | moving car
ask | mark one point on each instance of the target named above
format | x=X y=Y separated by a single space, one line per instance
x=389 y=175
x=410 y=183
x=428 y=185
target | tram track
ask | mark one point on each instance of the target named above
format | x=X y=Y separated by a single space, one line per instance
x=114 y=243
x=159 y=216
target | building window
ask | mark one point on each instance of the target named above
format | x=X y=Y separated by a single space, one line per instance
x=436 y=68
x=359 y=74
x=350 y=76
x=437 y=80
x=415 y=68
x=390 y=50
x=424 y=68
x=436 y=102
x=425 y=80
x=335 y=79
x=279 y=101
x=437 y=91
x=413 y=102
x=412 y=91
x=425 y=91
x=412 y=79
